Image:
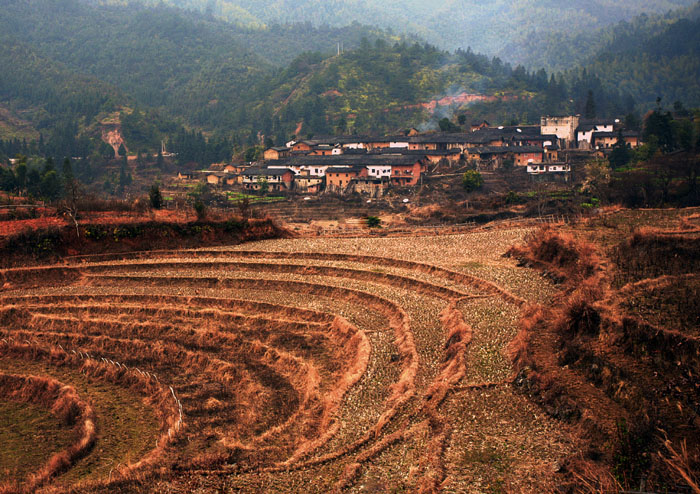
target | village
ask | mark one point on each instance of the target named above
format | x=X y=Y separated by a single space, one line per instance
x=551 y=151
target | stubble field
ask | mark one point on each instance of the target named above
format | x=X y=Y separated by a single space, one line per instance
x=295 y=365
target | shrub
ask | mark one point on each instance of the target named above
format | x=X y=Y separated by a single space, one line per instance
x=201 y=209
x=472 y=180
x=566 y=257
x=94 y=232
x=373 y=222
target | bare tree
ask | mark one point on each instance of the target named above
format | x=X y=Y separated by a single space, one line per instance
x=69 y=206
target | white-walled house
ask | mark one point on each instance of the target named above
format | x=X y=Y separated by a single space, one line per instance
x=558 y=171
x=563 y=127
x=379 y=171
x=586 y=131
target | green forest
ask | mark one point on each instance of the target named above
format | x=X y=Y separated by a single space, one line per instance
x=497 y=27
x=209 y=88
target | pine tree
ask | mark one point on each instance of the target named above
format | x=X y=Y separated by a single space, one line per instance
x=590 y=110
x=620 y=154
x=67 y=170
x=155 y=197
x=125 y=178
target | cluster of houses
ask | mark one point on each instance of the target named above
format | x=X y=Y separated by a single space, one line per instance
x=370 y=165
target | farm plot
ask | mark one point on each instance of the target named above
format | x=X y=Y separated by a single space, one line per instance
x=314 y=365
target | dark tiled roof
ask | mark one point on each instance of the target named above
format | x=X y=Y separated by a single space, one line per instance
x=492 y=150
x=526 y=149
x=546 y=137
x=267 y=171
x=419 y=152
x=344 y=169
x=352 y=160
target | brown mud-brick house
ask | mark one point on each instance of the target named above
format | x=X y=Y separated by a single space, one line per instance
x=276 y=153
x=479 y=125
x=551 y=153
x=607 y=140
x=221 y=178
x=488 y=157
x=326 y=150
x=434 y=156
x=407 y=174
x=278 y=180
x=303 y=146
x=306 y=183
x=632 y=138
x=236 y=168
x=339 y=178
x=372 y=186
x=215 y=178
x=522 y=155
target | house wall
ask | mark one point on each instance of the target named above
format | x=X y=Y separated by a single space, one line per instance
x=301 y=146
x=377 y=145
x=563 y=127
x=271 y=154
x=522 y=159
x=369 y=188
x=354 y=145
x=632 y=141
x=406 y=175
x=339 y=180
x=606 y=142
x=379 y=171
x=552 y=155
x=309 y=185
x=585 y=138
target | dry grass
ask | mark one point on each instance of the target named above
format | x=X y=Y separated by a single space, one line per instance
x=620 y=364
x=328 y=363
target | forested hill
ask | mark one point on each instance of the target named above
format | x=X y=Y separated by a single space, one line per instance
x=155 y=70
x=649 y=59
x=196 y=70
x=499 y=27
x=66 y=55
x=51 y=97
x=567 y=48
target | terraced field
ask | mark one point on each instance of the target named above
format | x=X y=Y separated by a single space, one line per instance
x=298 y=365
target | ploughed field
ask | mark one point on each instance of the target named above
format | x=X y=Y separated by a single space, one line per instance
x=296 y=365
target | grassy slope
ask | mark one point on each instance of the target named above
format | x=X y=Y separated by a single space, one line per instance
x=25 y=432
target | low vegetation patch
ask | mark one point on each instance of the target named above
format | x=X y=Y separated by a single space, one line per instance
x=620 y=363
x=49 y=244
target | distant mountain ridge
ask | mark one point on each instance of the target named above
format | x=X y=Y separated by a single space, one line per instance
x=649 y=59
x=74 y=60
x=499 y=27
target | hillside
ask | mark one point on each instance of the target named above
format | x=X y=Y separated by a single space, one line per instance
x=41 y=94
x=499 y=27
x=646 y=61
x=196 y=70
x=188 y=78
x=562 y=49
